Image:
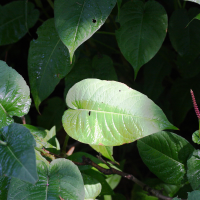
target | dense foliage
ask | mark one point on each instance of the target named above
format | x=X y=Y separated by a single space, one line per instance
x=82 y=77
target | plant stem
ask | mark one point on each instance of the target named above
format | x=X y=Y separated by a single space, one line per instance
x=51 y=3
x=3 y=143
x=179 y=3
x=45 y=153
x=106 y=33
x=23 y=120
x=116 y=51
x=63 y=152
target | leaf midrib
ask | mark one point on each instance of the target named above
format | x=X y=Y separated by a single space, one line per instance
x=11 y=21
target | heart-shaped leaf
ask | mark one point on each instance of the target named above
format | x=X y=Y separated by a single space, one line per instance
x=14 y=95
x=76 y=21
x=194 y=195
x=16 y=18
x=18 y=156
x=110 y=113
x=61 y=180
x=142 y=32
x=166 y=155
x=48 y=62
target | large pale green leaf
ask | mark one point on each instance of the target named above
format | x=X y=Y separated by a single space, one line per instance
x=142 y=32
x=52 y=114
x=92 y=187
x=194 y=195
x=61 y=180
x=4 y=185
x=15 y=18
x=14 y=95
x=193 y=172
x=185 y=39
x=48 y=62
x=195 y=1
x=18 y=156
x=166 y=154
x=76 y=21
x=110 y=113
x=100 y=67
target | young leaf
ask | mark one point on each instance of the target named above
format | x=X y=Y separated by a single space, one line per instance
x=16 y=17
x=142 y=32
x=196 y=137
x=18 y=156
x=4 y=185
x=100 y=67
x=92 y=187
x=61 y=180
x=193 y=172
x=110 y=113
x=185 y=39
x=166 y=154
x=14 y=95
x=76 y=21
x=48 y=62
x=106 y=151
x=194 y=195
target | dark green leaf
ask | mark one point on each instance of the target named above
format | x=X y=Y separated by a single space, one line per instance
x=180 y=100
x=15 y=18
x=48 y=62
x=185 y=39
x=100 y=67
x=18 y=156
x=142 y=32
x=110 y=113
x=119 y=2
x=194 y=195
x=61 y=179
x=196 y=137
x=52 y=114
x=154 y=73
x=76 y=21
x=4 y=186
x=166 y=155
x=14 y=95
x=193 y=172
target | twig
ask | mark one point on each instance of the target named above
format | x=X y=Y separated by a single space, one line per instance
x=88 y=161
x=23 y=120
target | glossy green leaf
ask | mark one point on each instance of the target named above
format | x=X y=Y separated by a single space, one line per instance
x=181 y=99
x=110 y=113
x=52 y=114
x=16 y=17
x=92 y=187
x=166 y=154
x=14 y=95
x=40 y=157
x=61 y=179
x=152 y=80
x=4 y=186
x=48 y=62
x=105 y=151
x=114 y=180
x=142 y=32
x=185 y=39
x=196 y=137
x=176 y=198
x=193 y=172
x=76 y=21
x=18 y=156
x=100 y=67
x=194 y=195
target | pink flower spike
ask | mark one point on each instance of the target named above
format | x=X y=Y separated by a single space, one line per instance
x=195 y=105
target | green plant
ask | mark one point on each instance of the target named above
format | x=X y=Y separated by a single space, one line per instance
x=104 y=75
